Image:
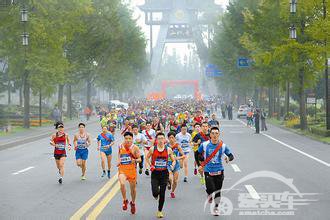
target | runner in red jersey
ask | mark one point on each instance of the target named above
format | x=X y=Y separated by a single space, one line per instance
x=60 y=140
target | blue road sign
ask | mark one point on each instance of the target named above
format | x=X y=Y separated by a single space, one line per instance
x=212 y=70
x=243 y=62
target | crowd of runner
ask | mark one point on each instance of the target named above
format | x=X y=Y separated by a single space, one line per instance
x=159 y=138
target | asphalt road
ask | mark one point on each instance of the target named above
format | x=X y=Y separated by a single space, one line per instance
x=276 y=172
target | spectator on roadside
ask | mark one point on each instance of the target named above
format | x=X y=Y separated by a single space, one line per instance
x=257 y=120
x=263 y=120
x=230 y=111
x=214 y=122
x=56 y=114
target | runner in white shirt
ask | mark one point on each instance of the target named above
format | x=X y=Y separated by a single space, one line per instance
x=150 y=134
x=139 y=140
x=184 y=139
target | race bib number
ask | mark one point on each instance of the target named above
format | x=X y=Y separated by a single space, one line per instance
x=215 y=173
x=60 y=146
x=160 y=163
x=125 y=159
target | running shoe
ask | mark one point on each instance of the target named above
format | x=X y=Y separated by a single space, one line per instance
x=185 y=179
x=109 y=174
x=160 y=214
x=125 y=203
x=83 y=177
x=103 y=174
x=147 y=172
x=195 y=171
x=133 y=208
x=60 y=180
x=202 y=181
x=172 y=195
x=216 y=211
x=140 y=171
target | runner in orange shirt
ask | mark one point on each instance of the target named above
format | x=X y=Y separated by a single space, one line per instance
x=128 y=157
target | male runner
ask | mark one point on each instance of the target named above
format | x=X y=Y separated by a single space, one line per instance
x=159 y=167
x=184 y=139
x=212 y=152
x=105 y=140
x=81 y=142
x=150 y=134
x=179 y=155
x=200 y=138
x=128 y=156
x=139 y=140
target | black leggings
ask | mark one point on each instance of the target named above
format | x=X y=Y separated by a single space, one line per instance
x=141 y=163
x=159 y=181
x=214 y=184
x=198 y=158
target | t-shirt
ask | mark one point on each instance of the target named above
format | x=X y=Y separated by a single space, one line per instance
x=142 y=139
x=213 y=123
x=215 y=164
x=184 y=141
x=104 y=141
x=151 y=133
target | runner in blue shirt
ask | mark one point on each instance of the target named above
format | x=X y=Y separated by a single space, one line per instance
x=213 y=151
x=105 y=140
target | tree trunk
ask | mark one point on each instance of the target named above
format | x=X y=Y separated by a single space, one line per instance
x=278 y=102
x=270 y=102
x=26 y=101
x=287 y=98
x=302 y=101
x=40 y=108
x=21 y=96
x=60 y=99
x=69 y=101
x=89 y=93
x=9 y=92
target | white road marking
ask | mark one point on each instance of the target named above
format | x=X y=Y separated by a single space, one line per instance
x=252 y=192
x=297 y=150
x=22 y=171
x=292 y=148
x=235 y=167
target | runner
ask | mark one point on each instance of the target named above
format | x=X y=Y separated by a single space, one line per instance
x=150 y=134
x=81 y=142
x=174 y=173
x=60 y=140
x=212 y=152
x=200 y=138
x=159 y=168
x=105 y=140
x=197 y=128
x=184 y=139
x=128 y=156
x=139 y=140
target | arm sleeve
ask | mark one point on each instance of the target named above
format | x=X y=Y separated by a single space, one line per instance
x=229 y=154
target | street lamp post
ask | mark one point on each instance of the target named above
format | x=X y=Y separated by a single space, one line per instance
x=326 y=74
x=25 y=43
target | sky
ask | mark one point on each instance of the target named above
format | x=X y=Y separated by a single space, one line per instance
x=181 y=49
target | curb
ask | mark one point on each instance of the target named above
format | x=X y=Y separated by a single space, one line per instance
x=296 y=132
x=34 y=138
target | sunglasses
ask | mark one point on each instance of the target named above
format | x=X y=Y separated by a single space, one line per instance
x=61 y=126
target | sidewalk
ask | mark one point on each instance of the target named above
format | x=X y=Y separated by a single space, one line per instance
x=31 y=134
